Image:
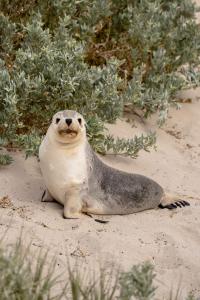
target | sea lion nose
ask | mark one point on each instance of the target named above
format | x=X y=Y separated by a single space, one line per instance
x=68 y=121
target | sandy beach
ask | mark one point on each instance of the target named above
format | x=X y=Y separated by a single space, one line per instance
x=168 y=239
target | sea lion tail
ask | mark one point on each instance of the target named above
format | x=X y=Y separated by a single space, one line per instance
x=172 y=202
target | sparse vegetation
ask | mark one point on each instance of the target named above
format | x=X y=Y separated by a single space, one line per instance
x=5 y=159
x=20 y=279
x=24 y=276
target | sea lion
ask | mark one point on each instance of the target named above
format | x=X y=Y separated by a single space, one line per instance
x=75 y=176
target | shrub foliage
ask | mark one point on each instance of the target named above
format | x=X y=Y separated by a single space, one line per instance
x=93 y=56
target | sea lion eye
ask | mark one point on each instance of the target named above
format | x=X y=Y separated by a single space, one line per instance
x=57 y=120
x=80 y=120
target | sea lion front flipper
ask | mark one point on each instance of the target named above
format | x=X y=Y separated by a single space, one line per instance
x=96 y=220
x=73 y=203
x=46 y=197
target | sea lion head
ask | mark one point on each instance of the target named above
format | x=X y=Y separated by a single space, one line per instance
x=68 y=126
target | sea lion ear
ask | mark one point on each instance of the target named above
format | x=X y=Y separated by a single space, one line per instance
x=53 y=119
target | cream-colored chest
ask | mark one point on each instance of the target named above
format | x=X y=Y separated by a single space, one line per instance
x=61 y=167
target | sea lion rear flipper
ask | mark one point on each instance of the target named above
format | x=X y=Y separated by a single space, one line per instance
x=180 y=203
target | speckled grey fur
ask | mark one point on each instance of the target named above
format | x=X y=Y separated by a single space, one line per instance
x=118 y=191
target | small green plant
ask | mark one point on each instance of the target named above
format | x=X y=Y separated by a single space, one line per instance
x=191 y=297
x=5 y=159
x=130 y=147
x=22 y=278
x=138 y=283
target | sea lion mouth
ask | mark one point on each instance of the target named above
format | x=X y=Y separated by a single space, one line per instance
x=68 y=131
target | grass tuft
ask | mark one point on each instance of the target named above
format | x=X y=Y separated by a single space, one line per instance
x=24 y=276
